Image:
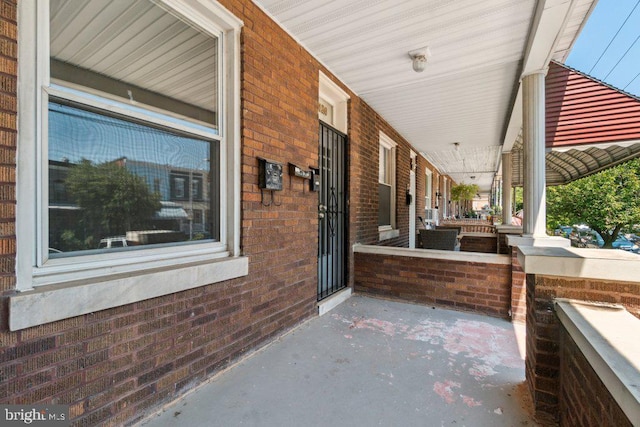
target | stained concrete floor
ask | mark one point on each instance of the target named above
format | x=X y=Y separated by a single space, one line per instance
x=371 y=362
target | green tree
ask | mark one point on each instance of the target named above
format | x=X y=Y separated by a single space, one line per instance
x=608 y=201
x=463 y=193
x=112 y=199
x=518 y=199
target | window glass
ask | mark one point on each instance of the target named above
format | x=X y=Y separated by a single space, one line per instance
x=117 y=178
x=383 y=172
x=427 y=190
x=386 y=193
x=137 y=51
x=123 y=181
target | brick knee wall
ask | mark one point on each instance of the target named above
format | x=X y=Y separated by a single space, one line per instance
x=483 y=244
x=542 y=363
x=471 y=286
x=584 y=399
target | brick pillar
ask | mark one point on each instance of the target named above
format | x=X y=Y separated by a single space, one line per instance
x=542 y=362
x=8 y=139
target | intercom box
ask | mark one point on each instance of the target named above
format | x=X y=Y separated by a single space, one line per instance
x=270 y=174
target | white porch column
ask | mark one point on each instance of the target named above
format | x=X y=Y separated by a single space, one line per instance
x=533 y=112
x=506 y=188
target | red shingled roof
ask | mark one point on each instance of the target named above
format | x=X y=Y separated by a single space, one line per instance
x=583 y=110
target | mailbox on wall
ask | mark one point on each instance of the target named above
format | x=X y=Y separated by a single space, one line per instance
x=315 y=179
x=270 y=175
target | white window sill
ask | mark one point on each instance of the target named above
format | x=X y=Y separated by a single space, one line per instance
x=386 y=233
x=51 y=303
x=606 y=336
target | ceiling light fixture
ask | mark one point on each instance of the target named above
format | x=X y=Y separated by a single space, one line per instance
x=419 y=59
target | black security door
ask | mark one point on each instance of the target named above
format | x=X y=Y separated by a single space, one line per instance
x=331 y=212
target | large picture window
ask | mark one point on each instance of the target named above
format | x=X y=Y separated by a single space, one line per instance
x=129 y=152
x=124 y=181
x=129 y=176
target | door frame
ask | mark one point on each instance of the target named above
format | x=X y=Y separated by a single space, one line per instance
x=333 y=112
x=412 y=205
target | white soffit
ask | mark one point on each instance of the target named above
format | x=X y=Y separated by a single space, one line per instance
x=467 y=90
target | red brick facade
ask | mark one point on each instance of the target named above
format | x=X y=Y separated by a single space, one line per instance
x=543 y=367
x=471 y=286
x=8 y=132
x=364 y=133
x=483 y=244
x=117 y=365
x=584 y=399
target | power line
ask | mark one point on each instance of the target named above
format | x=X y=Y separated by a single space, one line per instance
x=625 y=54
x=624 y=88
x=614 y=37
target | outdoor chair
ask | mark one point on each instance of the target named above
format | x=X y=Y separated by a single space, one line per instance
x=440 y=239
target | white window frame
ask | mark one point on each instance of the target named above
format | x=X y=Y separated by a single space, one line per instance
x=389 y=231
x=428 y=190
x=445 y=199
x=54 y=289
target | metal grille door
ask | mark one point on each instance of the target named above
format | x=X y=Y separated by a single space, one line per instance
x=331 y=212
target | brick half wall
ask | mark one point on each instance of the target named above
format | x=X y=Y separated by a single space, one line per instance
x=584 y=399
x=543 y=364
x=481 y=287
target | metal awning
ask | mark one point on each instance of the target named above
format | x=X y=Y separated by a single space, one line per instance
x=170 y=210
x=564 y=166
x=590 y=126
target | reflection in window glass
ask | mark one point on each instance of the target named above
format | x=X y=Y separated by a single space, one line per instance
x=137 y=51
x=113 y=181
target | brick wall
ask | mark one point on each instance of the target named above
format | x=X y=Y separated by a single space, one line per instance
x=8 y=133
x=116 y=365
x=542 y=363
x=471 y=286
x=503 y=247
x=484 y=244
x=365 y=136
x=584 y=399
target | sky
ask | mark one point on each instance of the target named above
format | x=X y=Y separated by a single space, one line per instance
x=608 y=47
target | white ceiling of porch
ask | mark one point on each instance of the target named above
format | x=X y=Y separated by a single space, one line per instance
x=467 y=91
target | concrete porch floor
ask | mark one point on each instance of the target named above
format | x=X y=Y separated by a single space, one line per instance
x=371 y=362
